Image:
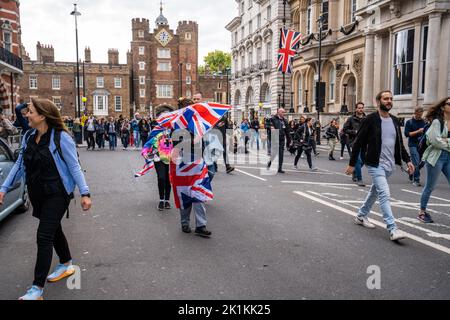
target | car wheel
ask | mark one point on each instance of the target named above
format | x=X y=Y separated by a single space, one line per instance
x=26 y=203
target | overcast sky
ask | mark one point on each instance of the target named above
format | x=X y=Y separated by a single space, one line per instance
x=106 y=24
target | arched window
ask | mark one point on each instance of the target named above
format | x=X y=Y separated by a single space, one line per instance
x=332 y=81
x=300 y=89
x=237 y=98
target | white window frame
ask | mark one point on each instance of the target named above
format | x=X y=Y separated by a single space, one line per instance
x=331 y=83
x=308 y=18
x=423 y=59
x=188 y=36
x=118 y=103
x=188 y=80
x=188 y=67
x=57 y=102
x=401 y=94
x=118 y=83
x=56 y=82
x=300 y=90
x=250 y=27
x=100 y=82
x=142 y=80
x=142 y=93
x=258 y=21
x=353 y=8
x=141 y=50
x=164 y=53
x=33 y=82
x=167 y=66
x=81 y=82
x=7 y=45
x=141 y=34
x=142 y=65
x=104 y=102
x=269 y=13
x=164 y=91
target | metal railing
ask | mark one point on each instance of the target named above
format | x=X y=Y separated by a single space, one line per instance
x=10 y=58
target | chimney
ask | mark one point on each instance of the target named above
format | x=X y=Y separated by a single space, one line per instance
x=87 y=55
x=113 y=56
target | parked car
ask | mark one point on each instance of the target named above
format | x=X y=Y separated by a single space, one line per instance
x=17 y=199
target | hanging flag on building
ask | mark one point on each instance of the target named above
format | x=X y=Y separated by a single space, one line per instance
x=289 y=43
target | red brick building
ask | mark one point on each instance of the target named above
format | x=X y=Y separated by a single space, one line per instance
x=10 y=53
x=164 y=62
x=213 y=87
x=105 y=85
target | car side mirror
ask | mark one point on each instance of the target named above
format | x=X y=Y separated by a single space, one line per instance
x=16 y=154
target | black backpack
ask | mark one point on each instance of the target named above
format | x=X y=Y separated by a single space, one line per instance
x=57 y=141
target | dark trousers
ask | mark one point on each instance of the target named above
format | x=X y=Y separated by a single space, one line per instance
x=280 y=157
x=91 y=140
x=50 y=210
x=101 y=140
x=78 y=137
x=125 y=139
x=343 y=145
x=299 y=154
x=164 y=187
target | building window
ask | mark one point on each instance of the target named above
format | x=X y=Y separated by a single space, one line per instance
x=403 y=62
x=117 y=83
x=141 y=33
x=188 y=80
x=142 y=93
x=56 y=83
x=242 y=8
x=218 y=97
x=300 y=90
x=242 y=32
x=118 y=103
x=33 y=82
x=250 y=59
x=141 y=65
x=57 y=102
x=219 y=85
x=164 y=91
x=164 y=66
x=309 y=16
x=423 y=58
x=101 y=105
x=100 y=82
x=242 y=62
x=163 y=53
x=235 y=38
x=188 y=36
x=269 y=52
x=332 y=81
x=325 y=14
x=258 y=21
x=269 y=13
x=7 y=41
x=353 y=10
x=188 y=66
x=250 y=27
x=81 y=82
x=141 y=79
x=141 y=51
x=258 y=54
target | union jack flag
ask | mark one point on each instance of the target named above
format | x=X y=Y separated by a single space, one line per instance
x=191 y=183
x=289 y=43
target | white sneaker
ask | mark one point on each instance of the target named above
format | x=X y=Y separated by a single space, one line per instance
x=397 y=235
x=295 y=167
x=342 y=158
x=364 y=221
x=34 y=293
x=314 y=169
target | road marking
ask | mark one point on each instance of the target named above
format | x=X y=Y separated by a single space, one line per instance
x=287 y=170
x=405 y=190
x=251 y=175
x=375 y=222
x=320 y=183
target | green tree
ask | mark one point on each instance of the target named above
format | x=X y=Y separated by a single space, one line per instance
x=218 y=60
x=201 y=69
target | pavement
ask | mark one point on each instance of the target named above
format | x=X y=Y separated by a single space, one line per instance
x=282 y=236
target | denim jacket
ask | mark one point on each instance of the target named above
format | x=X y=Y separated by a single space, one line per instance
x=69 y=169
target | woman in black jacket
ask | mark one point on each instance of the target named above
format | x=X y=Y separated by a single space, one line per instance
x=303 y=142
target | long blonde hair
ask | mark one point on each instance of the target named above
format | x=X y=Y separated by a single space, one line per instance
x=47 y=108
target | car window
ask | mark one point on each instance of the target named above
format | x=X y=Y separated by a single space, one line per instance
x=4 y=155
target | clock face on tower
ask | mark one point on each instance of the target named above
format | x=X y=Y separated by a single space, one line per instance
x=163 y=37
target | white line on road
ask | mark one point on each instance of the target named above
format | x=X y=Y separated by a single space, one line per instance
x=251 y=175
x=288 y=170
x=377 y=223
x=405 y=190
x=320 y=183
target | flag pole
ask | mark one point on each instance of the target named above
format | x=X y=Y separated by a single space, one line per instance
x=284 y=73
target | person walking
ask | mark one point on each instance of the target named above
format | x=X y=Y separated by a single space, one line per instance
x=222 y=126
x=91 y=124
x=100 y=134
x=111 y=132
x=343 y=138
x=245 y=127
x=303 y=143
x=414 y=130
x=351 y=128
x=125 y=133
x=136 y=132
x=254 y=125
x=51 y=172
x=279 y=123
x=332 y=135
x=144 y=129
x=77 y=132
x=380 y=139
x=437 y=155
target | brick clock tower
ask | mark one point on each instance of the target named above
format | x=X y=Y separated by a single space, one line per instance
x=163 y=62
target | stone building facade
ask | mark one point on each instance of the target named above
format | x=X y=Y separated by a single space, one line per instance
x=255 y=81
x=163 y=62
x=105 y=85
x=11 y=66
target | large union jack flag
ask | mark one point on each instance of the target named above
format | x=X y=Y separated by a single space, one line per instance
x=289 y=43
x=190 y=182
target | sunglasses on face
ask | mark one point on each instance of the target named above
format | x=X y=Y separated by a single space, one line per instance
x=448 y=103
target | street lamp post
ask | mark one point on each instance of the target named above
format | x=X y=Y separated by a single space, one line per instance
x=344 y=108
x=319 y=84
x=291 y=110
x=306 y=110
x=75 y=13
x=279 y=100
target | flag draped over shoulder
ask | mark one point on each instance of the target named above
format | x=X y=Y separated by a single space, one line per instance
x=289 y=43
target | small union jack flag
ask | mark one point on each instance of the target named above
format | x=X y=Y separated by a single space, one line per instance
x=190 y=182
x=289 y=43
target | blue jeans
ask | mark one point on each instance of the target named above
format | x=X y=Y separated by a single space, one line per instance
x=112 y=141
x=137 y=138
x=443 y=164
x=415 y=158
x=211 y=172
x=380 y=190
x=358 y=166
x=200 y=215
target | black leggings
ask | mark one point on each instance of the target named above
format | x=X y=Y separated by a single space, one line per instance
x=164 y=187
x=299 y=154
x=343 y=145
x=49 y=209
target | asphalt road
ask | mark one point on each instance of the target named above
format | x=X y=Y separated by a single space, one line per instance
x=287 y=236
